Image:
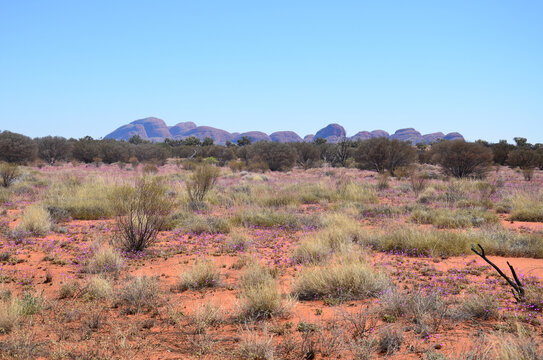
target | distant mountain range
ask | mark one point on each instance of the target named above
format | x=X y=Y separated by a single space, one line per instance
x=156 y=130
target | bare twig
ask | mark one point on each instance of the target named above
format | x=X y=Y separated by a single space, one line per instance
x=518 y=289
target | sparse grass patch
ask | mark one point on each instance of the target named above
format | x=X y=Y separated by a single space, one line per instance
x=256 y=347
x=68 y=289
x=203 y=274
x=453 y=219
x=238 y=242
x=35 y=220
x=199 y=224
x=390 y=339
x=262 y=300
x=342 y=279
x=481 y=306
x=265 y=218
x=10 y=311
x=527 y=208
x=206 y=315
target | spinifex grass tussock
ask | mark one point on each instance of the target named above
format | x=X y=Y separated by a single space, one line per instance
x=141 y=293
x=203 y=274
x=104 y=259
x=527 y=207
x=255 y=275
x=89 y=200
x=501 y=242
x=255 y=346
x=417 y=242
x=263 y=300
x=266 y=218
x=98 y=288
x=480 y=306
x=351 y=191
x=338 y=236
x=453 y=219
x=199 y=224
x=341 y=279
x=206 y=315
x=10 y=311
x=35 y=220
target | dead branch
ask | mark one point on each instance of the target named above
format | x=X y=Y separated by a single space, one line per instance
x=518 y=289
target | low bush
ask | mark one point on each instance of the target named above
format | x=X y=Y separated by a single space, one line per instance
x=9 y=173
x=142 y=211
x=390 y=339
x=203 y=179
x=343 y=279
x=35 y=220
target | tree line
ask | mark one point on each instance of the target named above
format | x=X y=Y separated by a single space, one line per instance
x=457 y=158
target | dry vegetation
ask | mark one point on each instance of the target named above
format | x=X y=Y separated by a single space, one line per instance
x=166 y=263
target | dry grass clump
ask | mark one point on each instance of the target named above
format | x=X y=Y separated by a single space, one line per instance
x=522 y=348
x=342 y=279
x=527 y=207
x=481 y=306
x=68 y=289
x=351 y=191
x=206 y=315
x=203 y=274
x=90 y=200
x=501 y=242
x=104 y=259
x=260 y=295
x=140 y=293
x=390 y=339
x=5 y=195
x=237 y=242
x=337 y=237
x=35 y=220
x=265 y=218
x=453 y=219
x=256 y=347
x=416 y=242
x=10 y=312
x=199 y=224
x=98 y=288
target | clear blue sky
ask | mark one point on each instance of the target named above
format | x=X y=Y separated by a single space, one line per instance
x=76 y=68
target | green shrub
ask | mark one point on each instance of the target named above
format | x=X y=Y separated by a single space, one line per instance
x=345 y=279
x=35 y=220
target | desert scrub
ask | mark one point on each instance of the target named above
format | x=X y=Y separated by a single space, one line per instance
x=256 y=347
x=104 y=260
x=203 y=274
x=341 y=279
x=527 y=207
x=206 y=315
x=254 y=275
x=202 y=180
x=35 y=220
x=142 y=211
x=417 y=242
x=141 y=293
x=5 y=195
x=90 y=200
x=453 y=219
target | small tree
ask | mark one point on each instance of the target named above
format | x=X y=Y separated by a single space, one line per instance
x=525 y=159
x=53 y=148
x=382 y=154
x=203 y=179
x=8 y=173
x=462 y=159
x=308 y=154
x=141 y=211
